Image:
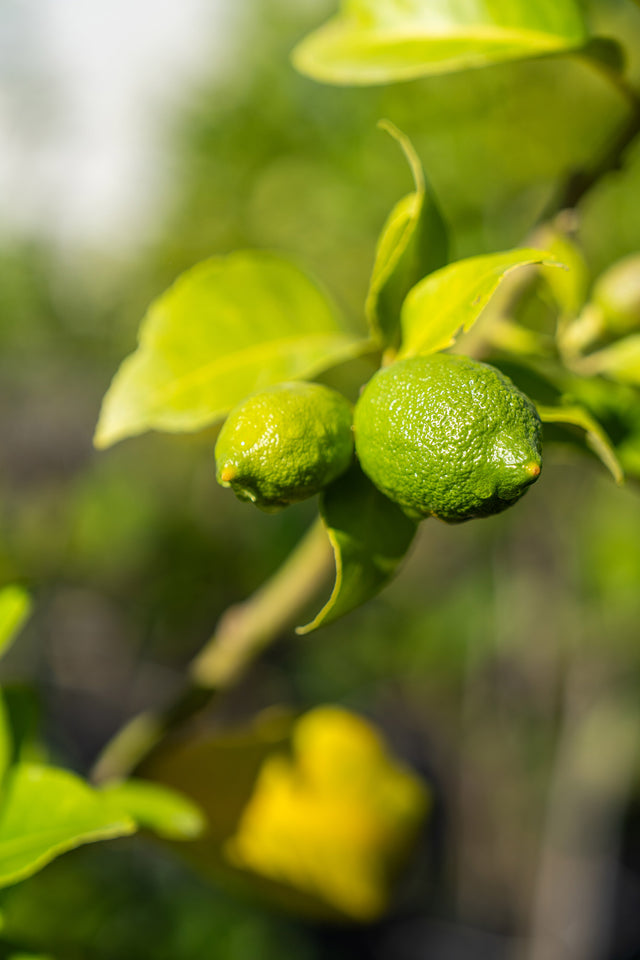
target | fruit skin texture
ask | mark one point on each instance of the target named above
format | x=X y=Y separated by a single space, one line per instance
x=284 y=444
x=447 y=436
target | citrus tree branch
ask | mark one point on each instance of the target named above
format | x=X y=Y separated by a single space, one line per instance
x=243 y=632
x=247 y=628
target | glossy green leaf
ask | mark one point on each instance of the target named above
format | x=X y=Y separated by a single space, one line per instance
x=451 y=300
x=414 y=242
x=227 y=327
x=370 y=536
x=15 y=607
x=596 y=437
x=382 y=41
x=168 y=813
x=45 y=812
x=620 y=361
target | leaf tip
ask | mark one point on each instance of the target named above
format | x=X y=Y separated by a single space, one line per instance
x=405 y=144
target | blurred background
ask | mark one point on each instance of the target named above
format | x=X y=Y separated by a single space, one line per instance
x=503 y=665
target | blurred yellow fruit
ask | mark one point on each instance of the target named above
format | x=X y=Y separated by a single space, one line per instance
x=336 y=819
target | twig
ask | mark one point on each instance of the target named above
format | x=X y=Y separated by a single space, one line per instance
x=243 y=632
x=246 y=629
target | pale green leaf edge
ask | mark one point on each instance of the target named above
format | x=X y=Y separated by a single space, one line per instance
x=529 y=257
x=596 y=436
x=380 y=276
x=167 y=812
x=315 y=55
x=322 y=615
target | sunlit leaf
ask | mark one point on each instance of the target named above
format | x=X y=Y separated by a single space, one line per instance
x=168 y=813
x=227 y=327
x=451 y=300
x=620 y=361
x=596 y=437
x=370 y=536
x=413 y=243
x=381 y=41
x=15 y=607
x=45 y=812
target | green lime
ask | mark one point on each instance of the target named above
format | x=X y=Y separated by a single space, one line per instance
x=447 y=436
x=285 y=444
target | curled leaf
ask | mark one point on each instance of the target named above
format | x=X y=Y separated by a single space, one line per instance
x=596 y=437
x=370 y=536
x=414 y=242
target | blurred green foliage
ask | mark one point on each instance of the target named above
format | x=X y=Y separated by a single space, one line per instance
x=133 y=554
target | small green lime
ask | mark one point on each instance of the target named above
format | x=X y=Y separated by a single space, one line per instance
x=447 y=436
x=285 y=444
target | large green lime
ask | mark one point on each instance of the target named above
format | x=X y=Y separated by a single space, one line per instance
x=447 y=436
x=285 y=444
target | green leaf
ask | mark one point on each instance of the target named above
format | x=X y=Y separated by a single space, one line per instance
x=15 y=607
x=45 y=812
x=168 y=813
x=227 y=327
x=382 y=41
x=596 y=437
x=370 y=536
x=451 y=300
x=568 y=287
x=620 y=361
x=414 y=241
